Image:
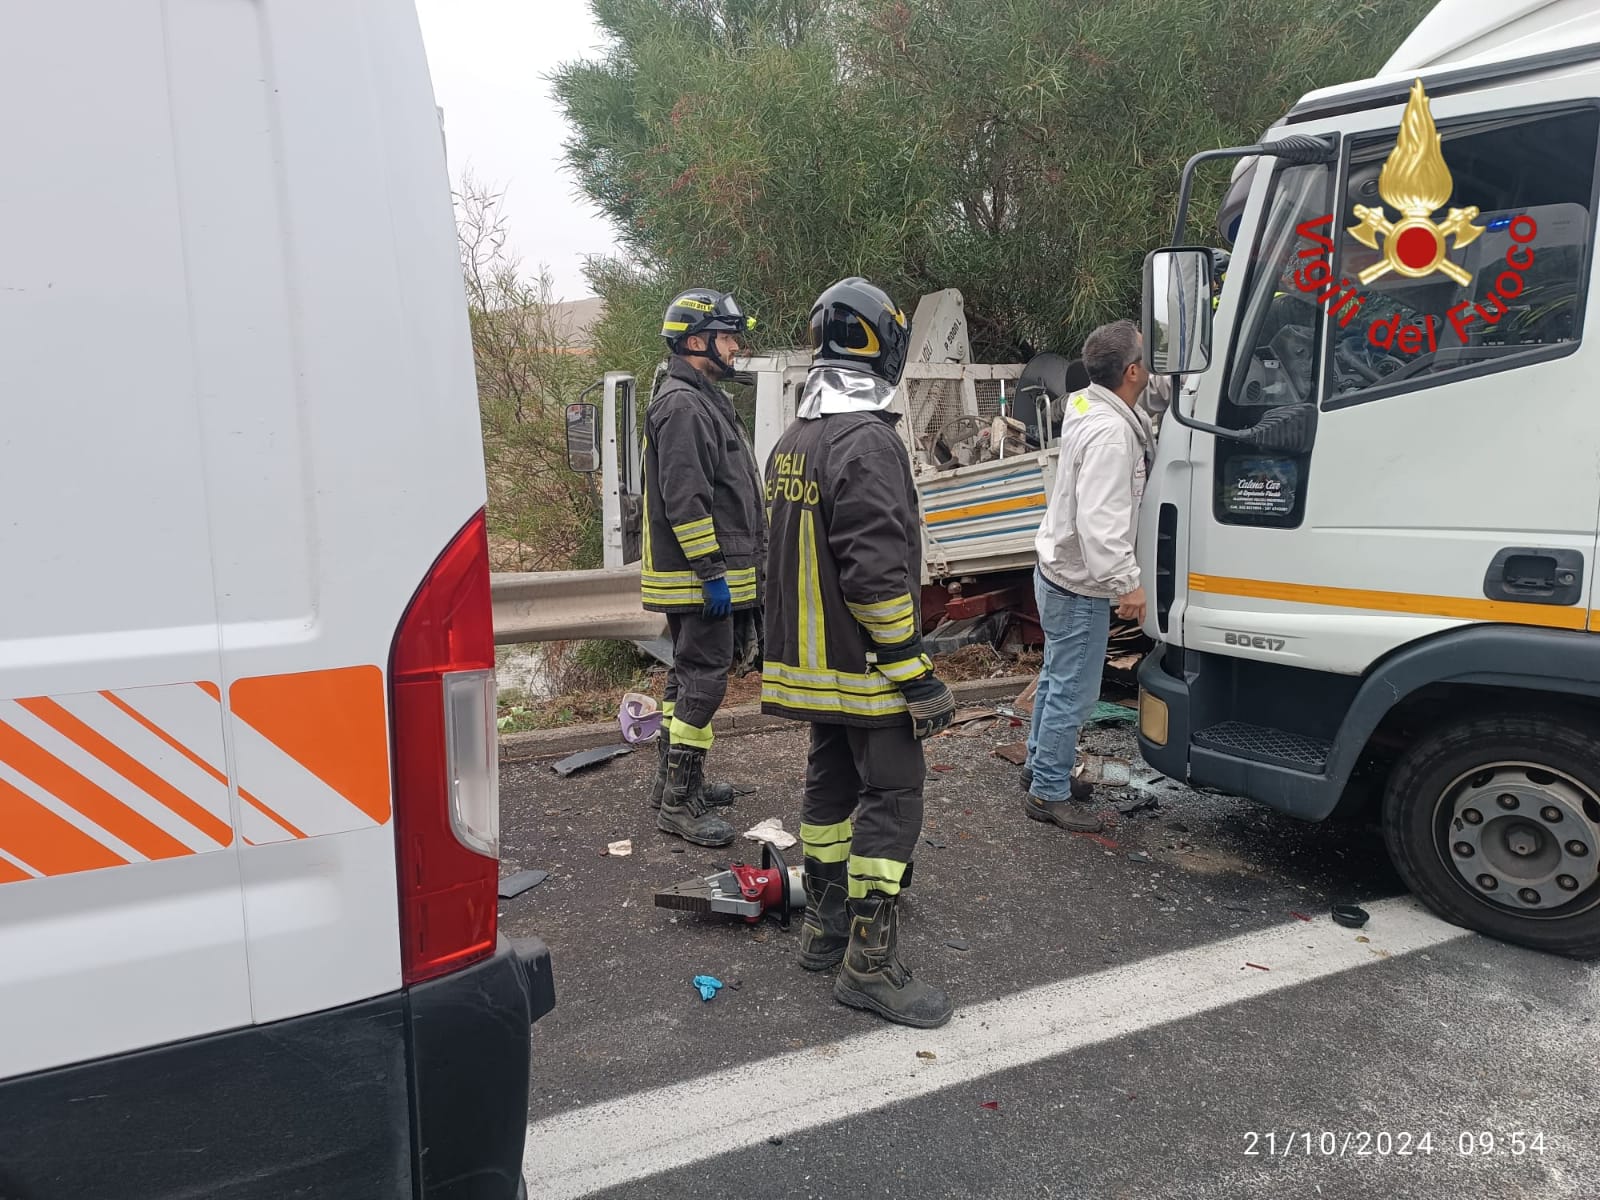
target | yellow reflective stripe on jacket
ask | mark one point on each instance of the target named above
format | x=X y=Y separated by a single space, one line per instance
x=741 y=581
x=699 y=547
x=684 y=734
x=870 y=684
x=890 y=622
x=908 y=669
x=696 y=538
x=813 y=625
x=827 y=843
x=875 y=875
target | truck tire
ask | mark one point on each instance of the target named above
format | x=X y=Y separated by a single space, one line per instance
x=1494 y=823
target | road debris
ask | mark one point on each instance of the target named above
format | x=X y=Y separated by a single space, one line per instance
x=1351 y=916
x=513 y=886
x=927 y=1055
x=957 y=944
x=1299 y=916
x=1139 y=804
x=1257 y=966
x=772 y=832
x=991 y=1105
x=934 y=840
x=588 y=758
x=1138 y=856
x=1015 y=753
x=708 y=985
x=640 y=718
x=1107 y=713
x=620 y=849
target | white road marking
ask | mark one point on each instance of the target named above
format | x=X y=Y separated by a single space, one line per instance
x=644 y=1134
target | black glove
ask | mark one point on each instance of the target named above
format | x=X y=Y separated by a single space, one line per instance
x=930 y=704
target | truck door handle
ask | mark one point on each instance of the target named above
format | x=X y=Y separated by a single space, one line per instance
x=1535 y=575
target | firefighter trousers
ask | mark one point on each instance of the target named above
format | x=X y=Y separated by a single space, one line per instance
x=702 y=655
x=863 y=803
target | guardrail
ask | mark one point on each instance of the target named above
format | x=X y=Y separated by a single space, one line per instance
x=559 y=606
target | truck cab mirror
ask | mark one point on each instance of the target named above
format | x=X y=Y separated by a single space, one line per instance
x=1177 y=310
x=583 y=438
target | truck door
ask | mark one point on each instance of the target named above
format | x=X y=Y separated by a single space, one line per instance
x=1452 y=478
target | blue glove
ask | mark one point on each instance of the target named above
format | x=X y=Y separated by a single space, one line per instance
x=708 y=985
x=719 y=600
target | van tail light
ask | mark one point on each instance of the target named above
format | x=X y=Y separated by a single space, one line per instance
x=446 y=763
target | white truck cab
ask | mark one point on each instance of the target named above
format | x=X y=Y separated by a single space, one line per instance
x=1370 y=542
x=248 y=800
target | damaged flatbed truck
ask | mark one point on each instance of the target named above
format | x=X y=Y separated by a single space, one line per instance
x=1369 y=537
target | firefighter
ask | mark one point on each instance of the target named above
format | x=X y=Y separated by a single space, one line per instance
x=704 y=545
x=844 y=649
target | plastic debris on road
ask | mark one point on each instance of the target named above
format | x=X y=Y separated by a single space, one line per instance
x=513 y=886
x=588 y=758
x=620 y=849
x=708 y=985
x=772 y=832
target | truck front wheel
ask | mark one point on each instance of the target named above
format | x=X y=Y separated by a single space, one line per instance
x=1494 y=823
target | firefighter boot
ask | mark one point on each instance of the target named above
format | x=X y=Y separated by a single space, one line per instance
x=825 y=931
x=684 y=810
x=874 y=978
x=718 y=795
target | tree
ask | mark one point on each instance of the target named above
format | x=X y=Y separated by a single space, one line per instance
x=1027 y=152
x=541 y=515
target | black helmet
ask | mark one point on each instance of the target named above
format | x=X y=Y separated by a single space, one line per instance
x=856 y=326
x=701 y=310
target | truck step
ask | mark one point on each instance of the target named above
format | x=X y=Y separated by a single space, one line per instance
x=1262 y=743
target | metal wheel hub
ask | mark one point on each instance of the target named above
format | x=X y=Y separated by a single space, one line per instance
x=1523 y=836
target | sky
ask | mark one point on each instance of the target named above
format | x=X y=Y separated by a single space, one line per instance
x=488 y=59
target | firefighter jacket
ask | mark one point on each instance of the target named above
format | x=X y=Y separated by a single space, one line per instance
x=702 y=497
x=844 y=572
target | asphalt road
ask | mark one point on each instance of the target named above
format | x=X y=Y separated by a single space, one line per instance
x=1117 y=1034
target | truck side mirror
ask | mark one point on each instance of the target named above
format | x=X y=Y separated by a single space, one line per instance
x=583 y=438
x=1177 y=310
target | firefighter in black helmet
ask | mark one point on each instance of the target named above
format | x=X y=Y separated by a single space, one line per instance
x=704 y=546
x=844 y=649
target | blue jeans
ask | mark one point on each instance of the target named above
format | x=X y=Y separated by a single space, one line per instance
x=1076 y=629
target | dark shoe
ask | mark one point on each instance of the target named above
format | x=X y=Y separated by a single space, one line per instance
x=718 y=795
x=825 y=929
x=1065 y=813
x=658 y=786
x=684 y=810
x=874 y=978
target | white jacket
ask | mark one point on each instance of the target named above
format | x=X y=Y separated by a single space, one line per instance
x=1085 y=542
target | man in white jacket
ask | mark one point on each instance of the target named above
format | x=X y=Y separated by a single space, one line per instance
x=1086 y=563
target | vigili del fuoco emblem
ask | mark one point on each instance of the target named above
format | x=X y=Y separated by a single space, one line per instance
x=1416 y=183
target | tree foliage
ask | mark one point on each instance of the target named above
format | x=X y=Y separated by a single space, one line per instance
x=1027 y=152
x=542 y=516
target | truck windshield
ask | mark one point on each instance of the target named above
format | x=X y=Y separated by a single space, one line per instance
x=1510 y=283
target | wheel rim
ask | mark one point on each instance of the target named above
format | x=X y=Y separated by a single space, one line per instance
x=1523 y=836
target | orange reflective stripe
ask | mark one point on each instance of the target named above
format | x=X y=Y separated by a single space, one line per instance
x=334 y=723
x=269 y=814
x=87 y=797
x=49 y=844
x=198 y=761
x=11 y=873
x=1418 y=604
x=130 y=768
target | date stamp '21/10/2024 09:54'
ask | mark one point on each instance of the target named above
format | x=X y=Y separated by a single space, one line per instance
x=1366 y=1143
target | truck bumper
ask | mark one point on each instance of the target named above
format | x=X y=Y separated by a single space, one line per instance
x=1160 y=690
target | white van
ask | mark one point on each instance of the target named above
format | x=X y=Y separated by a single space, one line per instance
x=248 y=797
